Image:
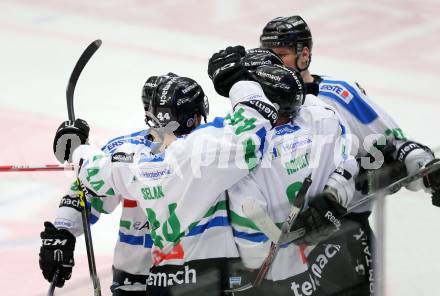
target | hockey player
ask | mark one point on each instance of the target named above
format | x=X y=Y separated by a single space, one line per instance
x=132 y=256
x=307 y=140
x=179 y=188
x=291 y=39
x=208 y=247
x=213 y=235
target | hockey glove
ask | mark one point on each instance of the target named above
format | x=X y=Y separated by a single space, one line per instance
x=68 y=137
x=392 y=170
x=225 y=68
x=260 y=56
x=320 y=220
x=432 y=181
x=56 y=253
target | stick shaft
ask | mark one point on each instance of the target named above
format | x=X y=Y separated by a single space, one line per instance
x=83 y=192
x=35 y=168
x=90 y=253
x=285 y=228
x=400 y=183
x=52 y=284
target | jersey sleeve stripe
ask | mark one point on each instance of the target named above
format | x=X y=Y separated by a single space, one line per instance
x=136 y=240
x=216 y=222
x=139 y=137
x=257 y=237
x=358 y=107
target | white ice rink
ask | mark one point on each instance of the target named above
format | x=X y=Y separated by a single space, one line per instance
x=391 y=47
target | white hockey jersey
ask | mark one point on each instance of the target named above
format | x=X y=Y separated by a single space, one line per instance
x=367 y=123
x=313 y=143
x=363 y=116
x=133 y=249
x=180 y=190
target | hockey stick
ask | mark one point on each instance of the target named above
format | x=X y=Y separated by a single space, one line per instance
x=255 y=212
x=297 y=206
x=85 y=211
x=399 y=183
x=85 y=57
x=79 y=66
x=266 y=225
x=36 y=168
x=262 y=220
x=52 y=284
x=82 y=62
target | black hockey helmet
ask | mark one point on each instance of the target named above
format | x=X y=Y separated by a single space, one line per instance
x=169 y=98
x=150 y=86
x=283 y=86
x=290 y=31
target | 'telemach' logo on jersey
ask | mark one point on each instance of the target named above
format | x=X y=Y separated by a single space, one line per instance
x=309 y=287
x=162 y=279
x=71 y=202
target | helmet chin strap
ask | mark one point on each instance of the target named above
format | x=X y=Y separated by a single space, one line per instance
x=298 y=48
x=307 y=64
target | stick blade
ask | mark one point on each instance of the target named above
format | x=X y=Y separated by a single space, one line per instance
x=98 y=43
x=80 y=64
x=256 y=213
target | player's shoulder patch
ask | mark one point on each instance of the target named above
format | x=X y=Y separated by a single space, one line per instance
x=122 y=157
x=343 y=90
x=350 y=96
x=286 y=129
x=137 y=138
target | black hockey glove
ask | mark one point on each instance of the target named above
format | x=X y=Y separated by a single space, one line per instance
x=260 y=56
x=432 y=181
x=56 y=253
x=68 y=137
x=392 y=170
x=320 y=220
x=226 y=68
